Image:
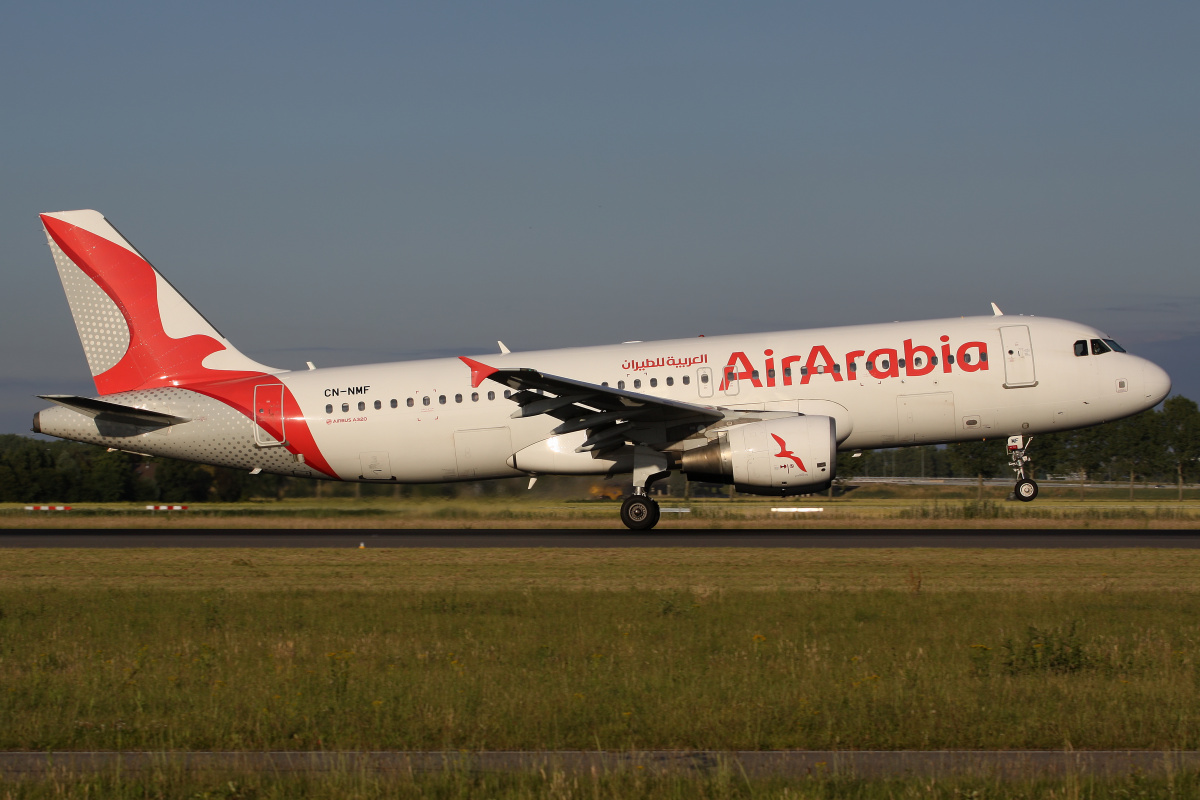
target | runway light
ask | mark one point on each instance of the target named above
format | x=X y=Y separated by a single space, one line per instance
x=362 y=545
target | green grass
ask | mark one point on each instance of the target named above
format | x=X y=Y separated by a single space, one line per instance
x=597 y=669
x=723 y=784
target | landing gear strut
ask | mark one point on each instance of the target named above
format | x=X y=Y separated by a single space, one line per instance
x=1026 y=488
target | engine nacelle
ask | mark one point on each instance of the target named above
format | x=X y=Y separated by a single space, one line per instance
x=794 y=455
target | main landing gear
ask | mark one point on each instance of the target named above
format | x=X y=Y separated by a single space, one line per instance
x=639 y=512
x=1026 y=488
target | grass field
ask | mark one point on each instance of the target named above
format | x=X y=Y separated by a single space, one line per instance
x=724 y=785
x=446 y=649
x=900 y=507
x=597 y=649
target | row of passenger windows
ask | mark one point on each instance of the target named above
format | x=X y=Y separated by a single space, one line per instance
x=1098 y=347
x=411 y=402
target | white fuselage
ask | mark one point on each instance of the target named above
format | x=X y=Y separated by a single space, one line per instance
x=422 y=421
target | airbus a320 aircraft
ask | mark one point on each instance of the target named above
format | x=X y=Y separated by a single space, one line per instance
x=767 y=412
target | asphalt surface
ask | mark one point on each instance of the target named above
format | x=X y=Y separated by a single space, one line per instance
x=252 y=538
x=753 y=763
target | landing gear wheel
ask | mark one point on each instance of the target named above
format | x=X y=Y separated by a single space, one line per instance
x=639 y=513
x=1026 y=490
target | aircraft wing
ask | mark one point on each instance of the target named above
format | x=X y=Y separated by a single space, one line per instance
x=610 y=416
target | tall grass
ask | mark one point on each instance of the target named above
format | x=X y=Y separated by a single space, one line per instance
x=621 y=669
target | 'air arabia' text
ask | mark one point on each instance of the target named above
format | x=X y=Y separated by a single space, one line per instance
x=913 y=360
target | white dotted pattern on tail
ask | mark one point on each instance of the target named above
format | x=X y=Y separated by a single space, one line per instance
x=102 y=328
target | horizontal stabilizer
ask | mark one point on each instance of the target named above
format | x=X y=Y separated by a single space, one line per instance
x=114 y=412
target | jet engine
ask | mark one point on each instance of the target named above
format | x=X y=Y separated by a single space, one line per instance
x=792 y=455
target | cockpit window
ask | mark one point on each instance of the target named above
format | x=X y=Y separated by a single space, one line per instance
x=1081 y=347
x=1099 y=347
x=1114 y=345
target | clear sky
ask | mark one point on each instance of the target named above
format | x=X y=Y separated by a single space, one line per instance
x=348 y=183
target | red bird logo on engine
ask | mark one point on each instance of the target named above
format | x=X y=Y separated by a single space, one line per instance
x=785 y=453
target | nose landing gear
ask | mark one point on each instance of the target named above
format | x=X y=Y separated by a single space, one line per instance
x=1026 y=488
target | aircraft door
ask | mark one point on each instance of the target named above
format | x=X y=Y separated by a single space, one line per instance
x=704 y=383
x=268 y=415
x=1018 y=356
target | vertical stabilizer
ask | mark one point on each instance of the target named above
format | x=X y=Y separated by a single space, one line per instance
x=137 y=331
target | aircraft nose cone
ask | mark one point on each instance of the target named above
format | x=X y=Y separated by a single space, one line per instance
x=1157 y=382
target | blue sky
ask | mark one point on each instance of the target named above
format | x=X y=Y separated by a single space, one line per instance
x=362 y=182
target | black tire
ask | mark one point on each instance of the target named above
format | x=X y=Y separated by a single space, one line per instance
x=639 y=513
x=1026 y=490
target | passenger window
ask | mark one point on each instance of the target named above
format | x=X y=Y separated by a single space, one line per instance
x=917 y=362
x=949 y=359
x=620 y=384
x=378 y=405
x=345 y=407
x=604 y=383
x=474 y=397
x=852 y=367
x=424 y=401
x=1081 y=347
x=770 y=374
x=983 y=356
x=754 y=375
x=637 y=384
x=885 y=365
x=1114 y=345
x=670 y=381
x=966 y=358
x=442 y=399
x=687 y=379
x=329 y=409
x=804 y=370
x=703 y=377
x=458 y=398
x=837 y=367
x=870 y=365
x=1099 y=347
x=653 y=382
x=410 y=402
x=362 y=406
x=787 y=373
x=507 y=394
x=394 y=403
x=731 y=376
x=901 y=363
x=491 y=395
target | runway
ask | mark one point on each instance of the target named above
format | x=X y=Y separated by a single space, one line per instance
x=575 y=538
x=1010 y=764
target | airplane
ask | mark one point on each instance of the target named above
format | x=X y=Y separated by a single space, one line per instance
x=766 y=412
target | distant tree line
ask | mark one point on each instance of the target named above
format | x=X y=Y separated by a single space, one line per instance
x=1160 y=446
